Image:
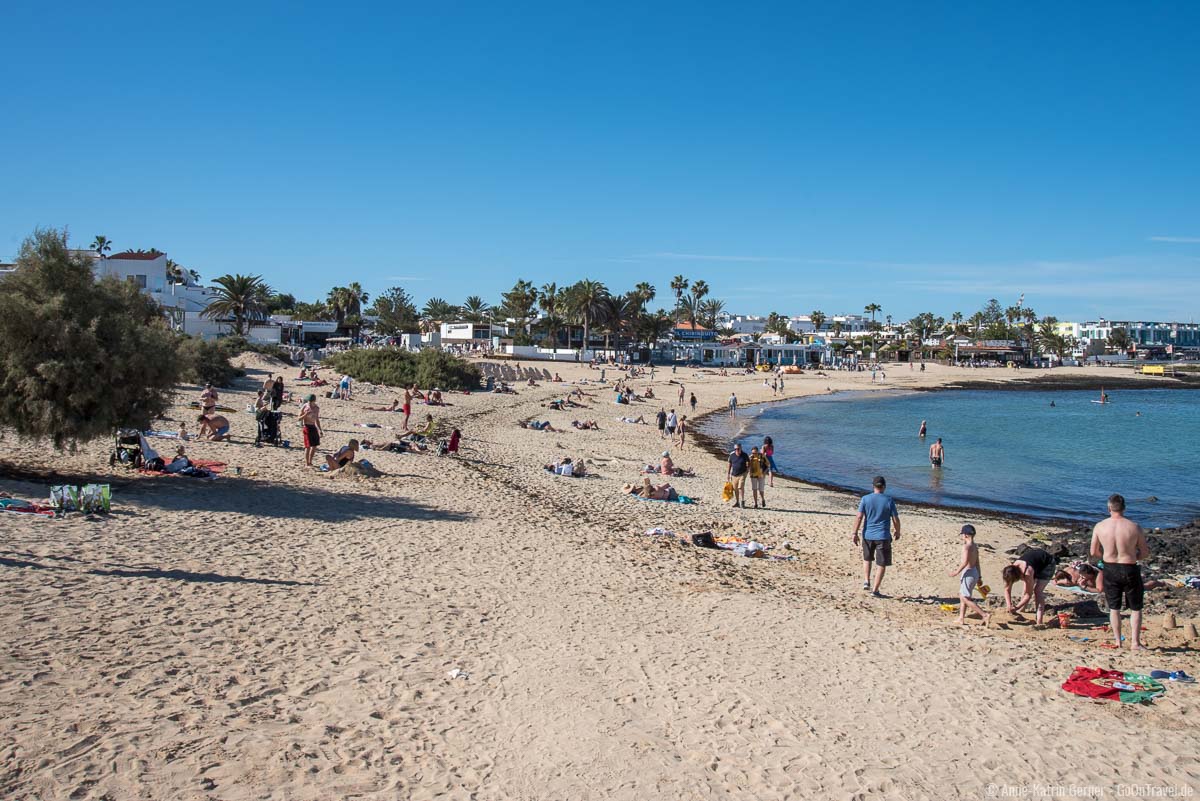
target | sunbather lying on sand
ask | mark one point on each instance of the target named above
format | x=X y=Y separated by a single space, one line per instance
x=395 y=407
x=567 y=467
x=1088 y=577
x=648 y=490
x=537 y=425
x=585 y=425
x=639 y=420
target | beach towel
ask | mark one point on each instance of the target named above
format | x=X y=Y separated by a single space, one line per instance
x=1113 y=685
x=17 y=506
x=161 y=434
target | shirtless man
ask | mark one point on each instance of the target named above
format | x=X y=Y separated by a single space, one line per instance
x=409 y=394
x=310 y=421
x=937 y=454
x=1121 y=543
x=214 y=427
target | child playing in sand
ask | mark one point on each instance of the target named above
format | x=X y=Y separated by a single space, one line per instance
x=969 y=576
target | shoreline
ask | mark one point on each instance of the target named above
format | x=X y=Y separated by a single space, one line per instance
x=1068 y=525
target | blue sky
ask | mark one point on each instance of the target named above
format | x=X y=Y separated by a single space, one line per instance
x=796 y=156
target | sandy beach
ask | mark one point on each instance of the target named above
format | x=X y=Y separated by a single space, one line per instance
x=285 y=634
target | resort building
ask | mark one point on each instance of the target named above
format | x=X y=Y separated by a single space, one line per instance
x=1141 y=334
x=468 y=333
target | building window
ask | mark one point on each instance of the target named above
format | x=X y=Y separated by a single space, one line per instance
x=140 y=280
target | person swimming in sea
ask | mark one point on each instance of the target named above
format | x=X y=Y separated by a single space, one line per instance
x=1051 y=404
x=922 y=432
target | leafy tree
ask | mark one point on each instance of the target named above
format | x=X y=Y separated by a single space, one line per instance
x=82 y=357
x=207 y=362
x=241 y=297
x=1119 y=341
x=818 y=319
x=396 y=312
x=101 y=244
x=520 y=304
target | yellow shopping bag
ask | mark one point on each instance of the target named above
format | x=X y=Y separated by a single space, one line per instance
x=727 y=491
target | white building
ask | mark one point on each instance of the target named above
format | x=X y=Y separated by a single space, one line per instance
x=465 y=333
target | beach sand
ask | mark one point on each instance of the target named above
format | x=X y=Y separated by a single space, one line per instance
x=282 y=635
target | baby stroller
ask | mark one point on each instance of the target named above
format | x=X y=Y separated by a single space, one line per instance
x=127 y=448
x=269 y=428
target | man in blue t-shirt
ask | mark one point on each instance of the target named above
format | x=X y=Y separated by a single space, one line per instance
x=880 y=525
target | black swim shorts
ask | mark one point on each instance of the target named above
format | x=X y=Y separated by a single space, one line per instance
x=877 y=551
x=1123 y=586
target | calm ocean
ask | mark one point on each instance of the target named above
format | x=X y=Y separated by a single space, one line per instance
x=1008 y=451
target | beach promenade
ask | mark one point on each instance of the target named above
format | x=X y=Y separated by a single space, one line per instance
x=284 y=634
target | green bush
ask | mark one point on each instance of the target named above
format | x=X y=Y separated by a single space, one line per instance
x=203 y=362
x=234 y=345
x=397 y=368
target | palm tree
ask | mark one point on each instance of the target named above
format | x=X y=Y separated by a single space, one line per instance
x=340 y=302
x=689 y=309
x=957 y=319
x=476 y=310
x=653 y=327
x=837 y=328
x=242 y=297
x=699 y=290
x=586 y=301
x=357 y=298
x=195 y=275
x=101 y=244
x=871 y=308
x=618 y=315
x=174 y=272
x=818 y=319
x=438 y=310
x=550 y=301
x=645 y=293
x=710 y=310
x=679 y=285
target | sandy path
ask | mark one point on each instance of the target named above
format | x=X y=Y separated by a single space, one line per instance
x=283 y=635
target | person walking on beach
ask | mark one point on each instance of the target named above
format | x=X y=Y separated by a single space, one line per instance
x=672 y=424
x=968 y=576
x=692 y=402
x=277 y=393
x=1121 y=543
x=758 y=472
x=732 y=405
x=681 y=394
x=1035 y=567
x=310 y=421
x=880 y=524
x=937 y=453
x=923 y=430
x=681 y=431
x=661 y=419
x=769 y=452
x=739 y=465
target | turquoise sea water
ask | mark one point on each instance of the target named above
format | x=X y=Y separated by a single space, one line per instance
x=1008 y=451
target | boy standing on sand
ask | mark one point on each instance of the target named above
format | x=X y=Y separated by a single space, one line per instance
x=1121 y=543
x=969 y=576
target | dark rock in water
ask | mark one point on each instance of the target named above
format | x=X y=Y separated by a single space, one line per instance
x=1152 y=499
